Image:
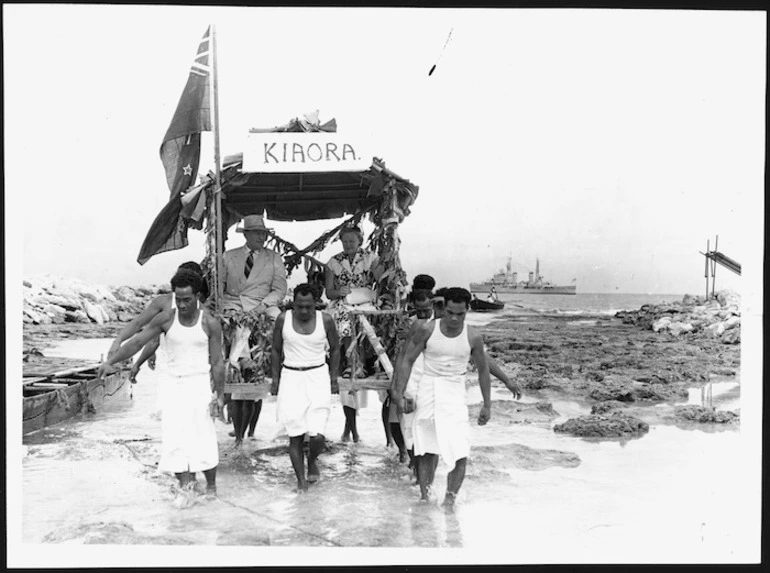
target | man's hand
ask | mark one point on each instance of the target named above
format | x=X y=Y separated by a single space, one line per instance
x=484 y=415
x=409 y=405
x=345 y=290
x=132 y=374
x=151 y=362
x=335 y=386
x=261 y=307
x=515 y=389
x=104 y=369
x=274 y=387
x=217 y=407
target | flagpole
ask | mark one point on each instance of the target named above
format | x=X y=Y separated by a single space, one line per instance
x=217 y=174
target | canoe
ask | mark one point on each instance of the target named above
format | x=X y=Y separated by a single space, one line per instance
x=480 y=305
x=52 y=398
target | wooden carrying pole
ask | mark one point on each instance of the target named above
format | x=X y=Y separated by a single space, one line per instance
x=218 y=231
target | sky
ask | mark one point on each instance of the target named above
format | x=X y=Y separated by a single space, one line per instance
x=608 y=144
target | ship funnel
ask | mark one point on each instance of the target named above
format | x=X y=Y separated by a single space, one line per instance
x=531 y=278
x=515 y=278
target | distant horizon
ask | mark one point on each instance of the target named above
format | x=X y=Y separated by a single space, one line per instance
x=293 y=283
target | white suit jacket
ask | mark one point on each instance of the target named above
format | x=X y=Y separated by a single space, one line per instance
x=266 y=283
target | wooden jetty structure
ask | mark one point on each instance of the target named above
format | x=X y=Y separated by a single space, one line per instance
x=714 y=258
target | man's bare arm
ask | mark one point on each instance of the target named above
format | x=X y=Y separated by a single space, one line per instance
x=147 y=351
x=332 y=337
x=276 y=353
x=414 y=346
x=157 y=306
x=158 y=325
x=480 y=359
x=497 y=372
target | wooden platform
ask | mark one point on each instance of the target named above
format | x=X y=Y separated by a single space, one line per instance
x=262 y=390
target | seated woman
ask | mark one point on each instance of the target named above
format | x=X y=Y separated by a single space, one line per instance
x=351 y=271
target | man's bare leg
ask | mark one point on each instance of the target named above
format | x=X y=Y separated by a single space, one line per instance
x=424 y=474
x=211 y=481
x=385 y=424
x=454 y=480
x=254 y=417
x=297 y=457
x=398 y=438
x=350 y=424
x=316 y=446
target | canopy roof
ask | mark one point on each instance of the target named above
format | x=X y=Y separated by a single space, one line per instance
x=304 y=196
x=297 y=196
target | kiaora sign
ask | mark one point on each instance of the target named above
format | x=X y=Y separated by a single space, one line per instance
x=298 y=152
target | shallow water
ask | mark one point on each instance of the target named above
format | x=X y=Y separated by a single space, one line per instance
x=530 y=495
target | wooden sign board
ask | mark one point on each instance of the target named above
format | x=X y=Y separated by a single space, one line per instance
x=303 y=152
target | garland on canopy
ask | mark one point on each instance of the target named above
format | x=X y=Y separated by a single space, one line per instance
x=256 y=330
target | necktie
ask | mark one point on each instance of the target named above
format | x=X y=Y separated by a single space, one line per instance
x=249 y=264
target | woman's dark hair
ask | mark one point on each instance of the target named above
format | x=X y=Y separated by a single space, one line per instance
x=423 y=282
x=187 y=278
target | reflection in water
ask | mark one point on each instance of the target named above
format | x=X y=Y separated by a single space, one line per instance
x=94 y=479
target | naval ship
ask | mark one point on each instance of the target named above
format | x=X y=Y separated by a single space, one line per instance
x=506 y=282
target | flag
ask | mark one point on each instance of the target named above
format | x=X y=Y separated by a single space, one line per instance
x=180 y=154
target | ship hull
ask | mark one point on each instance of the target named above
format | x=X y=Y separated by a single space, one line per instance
x=519 y=289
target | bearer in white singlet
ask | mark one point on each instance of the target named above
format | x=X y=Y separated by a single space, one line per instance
x=440 y=426
x=193 y=344
x=302 y=380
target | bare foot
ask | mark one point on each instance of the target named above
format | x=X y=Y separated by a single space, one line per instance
x=449 y=500
x=345 y=437
x=313 y=474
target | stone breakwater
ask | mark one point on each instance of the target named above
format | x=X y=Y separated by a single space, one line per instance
x=718 y=318
x=58 y=300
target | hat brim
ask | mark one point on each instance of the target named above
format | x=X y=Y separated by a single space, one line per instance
x=242 y=230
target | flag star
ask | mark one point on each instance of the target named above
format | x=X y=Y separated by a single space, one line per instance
x=187 y=169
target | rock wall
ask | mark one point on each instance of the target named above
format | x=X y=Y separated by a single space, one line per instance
x=56 y=300
x=718 y=318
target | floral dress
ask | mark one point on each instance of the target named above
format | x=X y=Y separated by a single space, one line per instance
x=354 y=275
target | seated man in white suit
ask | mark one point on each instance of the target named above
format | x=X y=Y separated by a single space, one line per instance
x=254 y=280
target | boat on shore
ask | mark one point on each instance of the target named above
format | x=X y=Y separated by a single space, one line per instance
x=506 y=282
x=52 y=394
x=481 y=305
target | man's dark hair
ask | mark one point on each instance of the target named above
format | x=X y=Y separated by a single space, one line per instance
x=420 y=294
x=423 y=282
x=193 y=266
x=187 y=278
x=441 y=291
x=458 y=294
x=305 y=289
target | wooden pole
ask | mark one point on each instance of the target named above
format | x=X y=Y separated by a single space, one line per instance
x=218 y=232
x=714 y=267
x=707 y=268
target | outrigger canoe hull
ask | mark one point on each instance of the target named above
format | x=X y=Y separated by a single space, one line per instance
x=48 y=401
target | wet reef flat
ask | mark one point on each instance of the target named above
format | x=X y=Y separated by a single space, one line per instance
x=620 y=363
